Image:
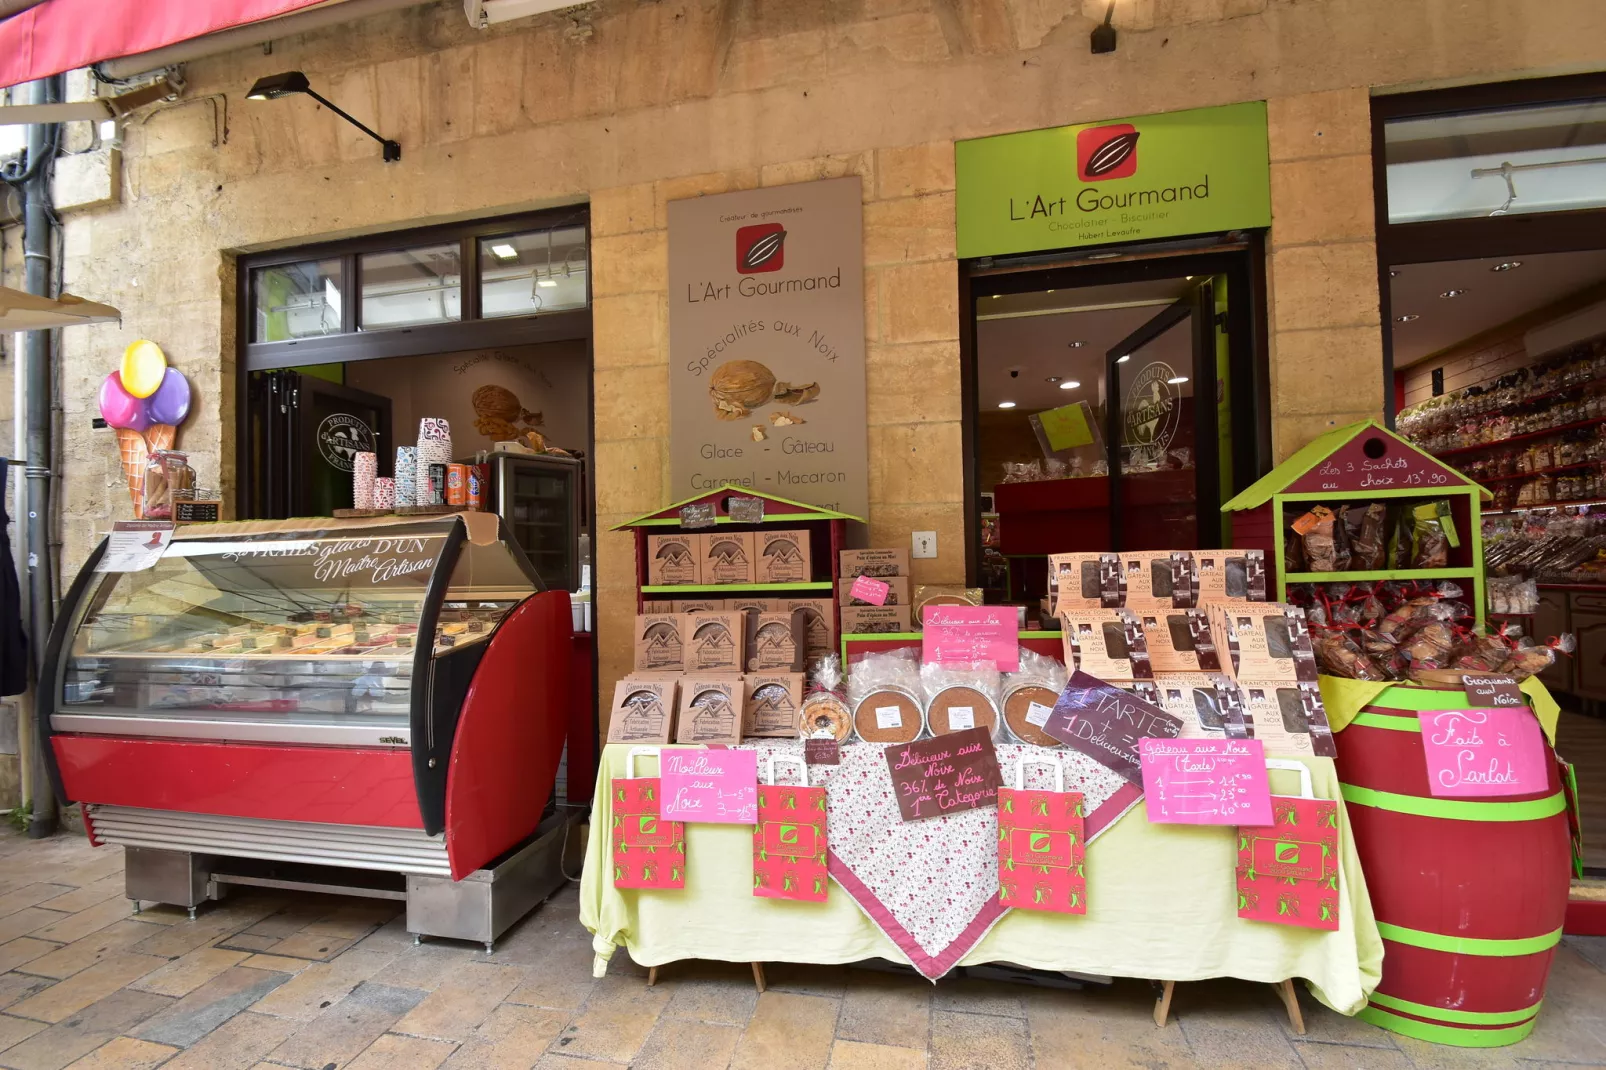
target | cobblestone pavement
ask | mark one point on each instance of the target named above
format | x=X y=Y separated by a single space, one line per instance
x=319 y=982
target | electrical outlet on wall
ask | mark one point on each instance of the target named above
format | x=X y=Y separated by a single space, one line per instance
x=924 y=544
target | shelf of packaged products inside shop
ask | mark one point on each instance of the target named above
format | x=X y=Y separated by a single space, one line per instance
x=1544 y=505
x=1441 y=454
x=1536 y=472
x=1378 y=574
x=716 y=588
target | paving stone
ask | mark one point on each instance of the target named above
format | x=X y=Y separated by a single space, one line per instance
x=1350 y=1057
x=511 y=1037
x=209 y=1006
x=85 y=952
x=886 y=1009
x=561 y=980
x=853 y=1055
x=391 y=1052
x=55 y=1047
x=788 y=1032
x=124 y=1053
x=23 y=950
x=347 y=1027
x=1591 y=948
x=31 y=895
x=1425 y=1056
x=307 y=993
x=1232 y=1023
x=1111 y=1028
x=710 y=992
x=804 y=978
x=309 y=945
x=25 y=921
x=84 y=922
x=237 y=1044
x=612 y=1033
x=76 y=899
x=462 y=1002
x=977 y=997
x=424 y=966
x=15 y=987
x=677 y=1044
x=16 y=1030
x=1327 y=1026
x=84 y=988
x=188 y=972
x=555 y=1061
x=978 y=1042
x=278 y=963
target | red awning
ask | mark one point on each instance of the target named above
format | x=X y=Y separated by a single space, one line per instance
x=63 y=35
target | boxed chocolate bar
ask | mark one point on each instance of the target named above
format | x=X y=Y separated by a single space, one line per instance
x=726 y=557
x=710 y=709
x=660 y=641
x=643 y=709
x=877 y=563
x=776 y=642
x=714 y=641
x=782 y=557
x=673 y=559
x=773 y=700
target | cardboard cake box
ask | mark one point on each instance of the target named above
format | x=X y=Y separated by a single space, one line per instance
x=714 y=641
x=1179 y=640
x=660 y=642
x=1106 y=643
x=867 y=620
x=711 y=708
x=1085 y=581
x=877 y=563
x=643 y=709
x=819 y=624
x=1210 y=704
x=776 y=642
x=773 y=700
x=782 y=557
x=1263 y=640
x=673 y=559
x=726 y=557
x=1288 y=717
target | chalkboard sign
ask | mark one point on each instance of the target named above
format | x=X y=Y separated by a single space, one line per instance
x=1206 y=782
x=946 y=775
x=1107 y=724
x=1494 y=691
x=1370 y=462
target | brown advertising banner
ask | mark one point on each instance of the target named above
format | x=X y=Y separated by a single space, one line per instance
x=766 y=343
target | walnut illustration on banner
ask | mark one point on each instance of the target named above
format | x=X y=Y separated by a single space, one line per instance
x=740 y=386
x=499 y=415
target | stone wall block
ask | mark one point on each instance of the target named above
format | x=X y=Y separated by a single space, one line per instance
x=630 y=476
x=630 y=330
x=915 y=169
x=687 y=186
x=915 y=463
x=1337 y=122
x=631 y=402
x=630 y=263
x=1317 y=369
x=1325 y=286
x=920 y=302
x=499 y=85
x=890 y=525
x=913 y=383
x=399 y=88
x=822 y=167
x=909 y=229
x=1321 y=200
x=448 y=92
x=623 y=210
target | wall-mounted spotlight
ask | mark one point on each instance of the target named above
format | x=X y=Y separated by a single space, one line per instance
x=1103 y=36
x=275 y=86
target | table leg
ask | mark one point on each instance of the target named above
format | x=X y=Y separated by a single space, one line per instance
x=1162 y=1006
x=1291 y=1002
x=652 y=976
x=758 y=977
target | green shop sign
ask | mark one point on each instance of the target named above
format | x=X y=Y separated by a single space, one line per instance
x=1155 y=176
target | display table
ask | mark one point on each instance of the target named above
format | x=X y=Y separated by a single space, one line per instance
x=1162 y=906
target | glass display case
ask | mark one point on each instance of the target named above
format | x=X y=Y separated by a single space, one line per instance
x=539 y=499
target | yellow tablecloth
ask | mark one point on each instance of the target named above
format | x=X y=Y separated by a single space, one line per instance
x=1344 y=698
x=1162 y=905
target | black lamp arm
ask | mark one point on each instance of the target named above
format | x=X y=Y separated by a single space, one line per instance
x=392 y=149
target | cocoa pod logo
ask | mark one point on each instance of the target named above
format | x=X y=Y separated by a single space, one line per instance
x=1112 y=154
x=763 y=251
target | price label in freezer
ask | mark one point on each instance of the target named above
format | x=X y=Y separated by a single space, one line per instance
x=135 y=545
x=1206 y=781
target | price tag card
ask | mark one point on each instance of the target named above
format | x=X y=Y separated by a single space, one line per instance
x=135 y=545
x=697 y=515
x=969 y=634
x=1206 y=782
x=718 y=786
x=1484 y=751
x=869 y=590
x=745 y=510
x=1494 y=691
x=946 y=775
x=822 y=752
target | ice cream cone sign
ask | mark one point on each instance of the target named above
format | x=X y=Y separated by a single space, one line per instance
x=144 y=401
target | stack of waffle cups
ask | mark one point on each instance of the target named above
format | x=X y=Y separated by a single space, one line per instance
x=365 y=467
x=406 y=475
x=434 y=447
x=384 y=493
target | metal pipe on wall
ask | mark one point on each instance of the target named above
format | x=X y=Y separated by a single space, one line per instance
x=36 y=370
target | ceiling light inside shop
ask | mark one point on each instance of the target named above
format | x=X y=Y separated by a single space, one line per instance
x=1123 y=359
x=1076 y=345
x=1177 y=380
x=546 y=284
x=1409 y=317
x=504 y=251
x=1507 y=265
x=1452 y=293
x=1053 y=379
x=1006 y=404
x=1069 y=384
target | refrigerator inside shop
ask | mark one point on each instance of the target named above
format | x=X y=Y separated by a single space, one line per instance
x=542 y=501
x=384 y=700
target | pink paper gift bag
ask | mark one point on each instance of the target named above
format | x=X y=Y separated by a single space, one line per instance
x=1288 y=871
x=1040 y=845
x=789 y=839
x=648 y=852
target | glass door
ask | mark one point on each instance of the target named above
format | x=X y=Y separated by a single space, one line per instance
x=332 y=423
x=538 y=498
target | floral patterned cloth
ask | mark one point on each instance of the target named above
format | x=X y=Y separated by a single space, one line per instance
x=932 y=885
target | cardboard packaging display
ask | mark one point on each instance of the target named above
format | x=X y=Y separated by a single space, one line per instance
x=897 y=591
x=1108 y=644
x=710 y=709
x=660 y=642
x=1263 y=640
x=673 y=559
x=714 y=641
x=869 y=620
x=877 y=563
x=1147 y=579
x=1230 y=575
x=1288 y=717
x=753 y=605
x=726 y=557
x=782 y=557
x=773 y=700
x=701 y=605
x=643 y=709
x=819 y=624
x=1179 y=640
x=1210 y=704
x=776 y=641
x=1086 y=581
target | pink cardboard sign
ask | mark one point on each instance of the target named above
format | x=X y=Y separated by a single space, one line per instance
x=1206 y=781
x=1486 y=751
x=971 y=634
x=718 y=786
x=868 y=589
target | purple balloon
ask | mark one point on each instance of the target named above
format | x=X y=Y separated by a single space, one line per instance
x=171 y=401
x=119 y=408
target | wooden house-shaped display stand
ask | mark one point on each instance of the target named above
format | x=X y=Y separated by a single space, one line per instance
x=827 y=531
x=1356 y=465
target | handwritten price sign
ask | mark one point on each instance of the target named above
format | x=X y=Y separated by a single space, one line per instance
x=718 y=786
x=1206 y=782
x=1488 y=751
x=946 y=775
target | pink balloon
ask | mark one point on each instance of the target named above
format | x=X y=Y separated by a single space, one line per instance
x=119 y=408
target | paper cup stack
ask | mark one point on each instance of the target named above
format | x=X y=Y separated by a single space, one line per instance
x=365 y=467
x=384 y=493
x=406 y=475
x=434 y=447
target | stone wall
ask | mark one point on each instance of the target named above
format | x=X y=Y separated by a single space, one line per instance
x=630 y=104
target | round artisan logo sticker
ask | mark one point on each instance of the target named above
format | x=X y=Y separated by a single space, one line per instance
x=1151 y=410
x=341 y=437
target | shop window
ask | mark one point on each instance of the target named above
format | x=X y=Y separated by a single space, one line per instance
x=537 y=271
x=1463 y=165
x=409 y=287
x=300 y=300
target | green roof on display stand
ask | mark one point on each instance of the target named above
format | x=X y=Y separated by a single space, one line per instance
x=1307 y=457
x=669 y=514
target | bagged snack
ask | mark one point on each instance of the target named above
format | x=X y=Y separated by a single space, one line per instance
x=1341 y=550
x=823 y=714
x=1338 y=655
x=1315 y=528
x=884 y=693
x=1029 y=696
x=1433 y=533
x=1368 y=541
x=960 y=697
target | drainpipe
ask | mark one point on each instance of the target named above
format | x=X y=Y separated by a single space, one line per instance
x=36 y=346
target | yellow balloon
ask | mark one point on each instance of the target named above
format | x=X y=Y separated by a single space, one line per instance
x=144 y=364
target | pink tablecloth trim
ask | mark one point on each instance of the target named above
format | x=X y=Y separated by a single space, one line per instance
x=930 y=966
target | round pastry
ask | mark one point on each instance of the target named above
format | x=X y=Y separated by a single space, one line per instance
x=888 y=715
x=957 y=708
x=1023 y=713
x=823 y=712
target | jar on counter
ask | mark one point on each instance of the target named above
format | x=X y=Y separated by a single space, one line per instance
x=168 y=478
